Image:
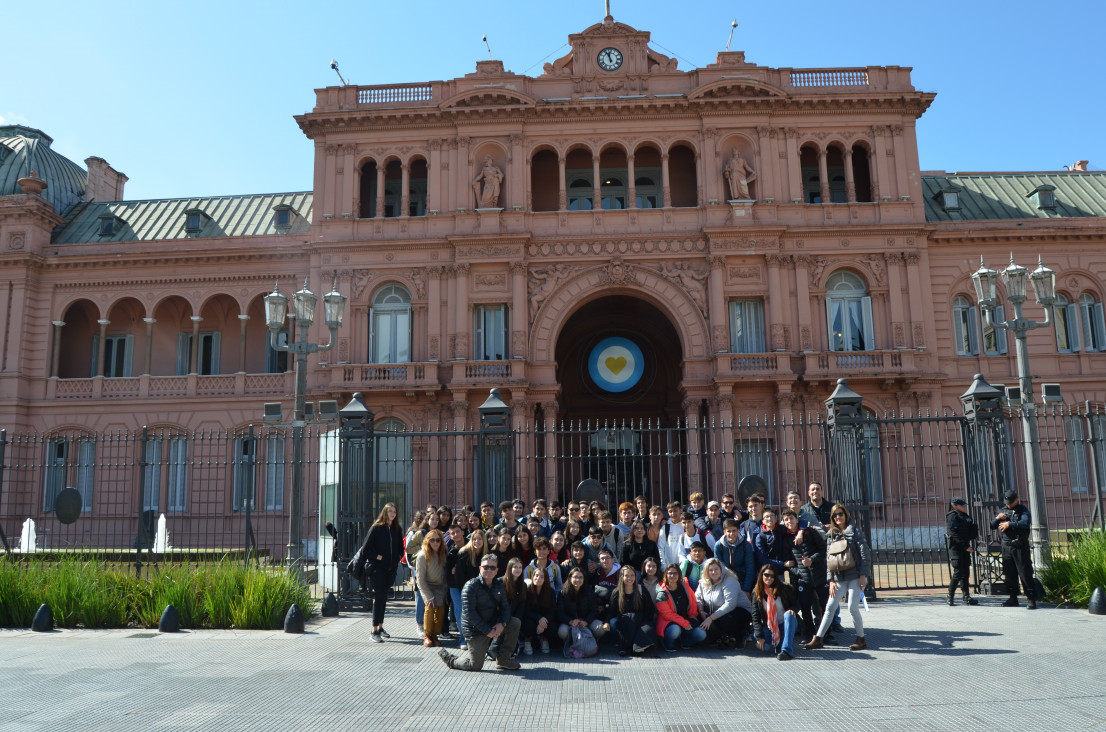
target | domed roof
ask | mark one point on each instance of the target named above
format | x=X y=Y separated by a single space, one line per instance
x=23 y=149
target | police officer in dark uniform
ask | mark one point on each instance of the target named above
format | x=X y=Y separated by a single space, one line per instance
x=960 y=533
x=1017 y=562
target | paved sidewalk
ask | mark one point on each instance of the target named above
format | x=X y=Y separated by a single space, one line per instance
x=929 y=667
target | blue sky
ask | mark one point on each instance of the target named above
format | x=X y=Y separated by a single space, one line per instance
x=197 y=98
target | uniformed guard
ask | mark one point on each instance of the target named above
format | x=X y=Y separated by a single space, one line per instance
x=960 y=535
x=1017 y=562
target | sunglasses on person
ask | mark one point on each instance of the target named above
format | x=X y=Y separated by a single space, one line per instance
x=768 y=574
x=492 y=567
x=835 y=515
x=727 y=503
x=435 y=540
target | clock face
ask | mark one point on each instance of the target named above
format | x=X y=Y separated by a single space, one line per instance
x=610 y=59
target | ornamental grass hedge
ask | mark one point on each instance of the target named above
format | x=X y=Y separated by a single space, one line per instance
x=92 y=594
x=1077 y=568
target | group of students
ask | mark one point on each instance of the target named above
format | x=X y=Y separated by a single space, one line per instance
x=673 y=577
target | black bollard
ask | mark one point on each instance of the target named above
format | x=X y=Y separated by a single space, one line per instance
x=44 y=619
x=1097 y=605
x=293 y=621
x=170 y=620
x=330 y=606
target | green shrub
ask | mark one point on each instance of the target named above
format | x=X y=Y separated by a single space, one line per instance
x=20 y=595
x=1077 y=569
x=65 y=587
x=221 y=588
x=265 y=599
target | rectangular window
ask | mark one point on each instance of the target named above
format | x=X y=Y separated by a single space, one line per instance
x=274 y=473
x=994 y=339
x=491 y=333
x=207 y=362
x=276 y=362
x=965 y=324
x=1067 y=331
x=391 y=336
x=1094 y=327
x=747 y=326
x=850 y=323
x=245 y=453
x=60 y=473
x=118 y=352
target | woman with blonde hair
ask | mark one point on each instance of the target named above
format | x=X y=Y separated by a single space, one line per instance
x=433 y=585
x=379 y=557
x=724 y=609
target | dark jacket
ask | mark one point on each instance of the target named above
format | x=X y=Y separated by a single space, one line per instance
x=814 y=547
x=1017 y=533
x=482 y=607
x=820 y=513
x=381 y=542
x=646 y=610
x=859 y=546
x=635 y=554
x=773 y=548
x=740 y=559
x=583 y=607
x=535 y=610
x=960 y=530
x=459 y=568
x=788 y=599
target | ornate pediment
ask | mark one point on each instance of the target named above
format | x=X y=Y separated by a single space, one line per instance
x=630 y=46
x=736 y=88
x=489 y=97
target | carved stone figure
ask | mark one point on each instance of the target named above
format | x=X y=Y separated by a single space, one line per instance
x=543 y=281
x=486 y=185
x=692 y=281
x=739 y=174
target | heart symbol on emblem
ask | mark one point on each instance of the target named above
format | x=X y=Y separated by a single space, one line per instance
x=615 y=365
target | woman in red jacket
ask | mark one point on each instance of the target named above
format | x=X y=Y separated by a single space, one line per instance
x=677 y=612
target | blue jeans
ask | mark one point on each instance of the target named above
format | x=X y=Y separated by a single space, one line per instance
x=689 y=637
x=787 y=635
x=455 y=595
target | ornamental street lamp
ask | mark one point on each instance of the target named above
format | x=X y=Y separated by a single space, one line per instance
x=276 y=310
x=1016 y=279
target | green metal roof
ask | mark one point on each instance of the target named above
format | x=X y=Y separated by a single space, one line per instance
x=164 y=219
x=993 y=196
x=25 y=148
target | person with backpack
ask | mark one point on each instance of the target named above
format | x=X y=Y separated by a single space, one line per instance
x=847 y=560
x=578 y=608
x=376 y=562
x=960 y=533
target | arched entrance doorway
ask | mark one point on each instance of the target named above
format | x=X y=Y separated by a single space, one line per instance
x=619 y=366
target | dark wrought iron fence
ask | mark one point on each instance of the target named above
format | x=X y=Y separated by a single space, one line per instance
x=226 y=494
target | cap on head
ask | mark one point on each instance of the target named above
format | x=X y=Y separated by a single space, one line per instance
x=959 y=502
x=1011 y=496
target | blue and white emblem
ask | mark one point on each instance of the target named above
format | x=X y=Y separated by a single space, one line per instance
x=616 y=364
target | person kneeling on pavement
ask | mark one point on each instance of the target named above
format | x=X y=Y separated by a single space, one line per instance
x=485 y=616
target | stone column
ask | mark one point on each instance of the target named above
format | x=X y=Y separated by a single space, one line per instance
x=901 y=160
x=517 y=185
x=434 y=198
x=775 y=300
x=801 y=285
x=460 y=467
x=631 y=185
x=194 y=355
x=719 y=330
x=793 y=165
x=562 y=190
x=895 y=298
x=549 y=413
x=243 y=320
x=55 y=358
x=379 y=193
x=348 y=172
x=463 y=322
x=914 y=275
x=727 y=466
x=667 y=190
x=597 y=184
x=694 y=464
x=823 y=176
x=879 y=132
x=523 y=481
x=850 y=183
x=405 y=190
x=148 y=358
x=103 y=346
x=786 y=442
x=331 y=179
x=519 y=311
x=434 y=314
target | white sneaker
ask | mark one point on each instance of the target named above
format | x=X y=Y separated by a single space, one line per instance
x=464 y=647
x=527 y=648
x=544 y=646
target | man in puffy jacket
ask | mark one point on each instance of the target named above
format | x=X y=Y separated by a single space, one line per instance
x=1017 y=561
x=485 y=616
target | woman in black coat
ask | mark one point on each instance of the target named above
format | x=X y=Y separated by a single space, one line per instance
x=577 y=607
x=638 y=547
x=631 y=614
x=379 y=559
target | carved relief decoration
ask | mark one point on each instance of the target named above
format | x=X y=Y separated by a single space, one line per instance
x=491 y=281
x=744 y=274
x=612 y=247
x=487 y=252
x=544 y=280
x=617 y=272
x=720 y=340
x=692 y=277
x=874 y=262
x=744 y=244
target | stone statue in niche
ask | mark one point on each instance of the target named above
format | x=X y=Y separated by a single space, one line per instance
x=739 y=174
x=486 y=185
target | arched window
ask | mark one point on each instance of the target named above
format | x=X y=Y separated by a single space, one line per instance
x=1066 y=316
x=1092 y=321
x=390 y=325
x=965 y=326
x=849 y=313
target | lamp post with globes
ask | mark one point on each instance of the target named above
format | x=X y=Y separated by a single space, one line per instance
x=1016 y=278
x=276 y=310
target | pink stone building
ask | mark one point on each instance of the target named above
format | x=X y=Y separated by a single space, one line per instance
x=617 y=238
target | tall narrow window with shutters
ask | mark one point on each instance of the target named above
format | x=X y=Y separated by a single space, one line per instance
x=746 y=326
x=849 y=313
x=994 y=339
x=965 y=326
x=1066 y=317
x=1092 y=323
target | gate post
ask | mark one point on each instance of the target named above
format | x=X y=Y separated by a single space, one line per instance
x=494 y=461
x=986 y=449
x=849 y=464
x=355 y=501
